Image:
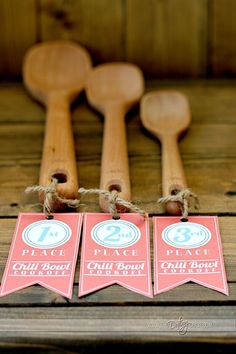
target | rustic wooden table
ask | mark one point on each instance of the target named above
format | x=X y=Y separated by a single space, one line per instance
x=38 y=320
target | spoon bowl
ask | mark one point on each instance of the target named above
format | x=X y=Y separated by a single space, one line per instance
x=56 y=67
x=165 y=113
x=115 y=84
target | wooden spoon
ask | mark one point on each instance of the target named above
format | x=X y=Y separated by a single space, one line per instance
x=113 y=89
x=55 y=73
x=166 y=115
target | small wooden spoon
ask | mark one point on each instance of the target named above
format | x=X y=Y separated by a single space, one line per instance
x=166 y=115
x=55 y=73
x=113 y=89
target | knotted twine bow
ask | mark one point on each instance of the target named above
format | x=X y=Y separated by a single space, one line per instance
x=51 y=196
x=113 y=199
x=185 y=198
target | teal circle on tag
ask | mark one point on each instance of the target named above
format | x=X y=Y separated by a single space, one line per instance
x=186 y=235
x=115 y=233
x=46 y=234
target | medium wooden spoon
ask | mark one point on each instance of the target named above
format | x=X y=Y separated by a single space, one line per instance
x=166 y=115
x=113 y=89
x=55 y=73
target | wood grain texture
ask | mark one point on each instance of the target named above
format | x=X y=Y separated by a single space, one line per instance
x=97 y=25
x=149 y=324
x=116 y=295
x=167 y=38
x=36 y=319
x=162 y=35
x=222 y=60
x=18 y=31
x=210 y=101
x=209 y=161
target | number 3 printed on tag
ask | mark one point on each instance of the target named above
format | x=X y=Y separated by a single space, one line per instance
x=191 y=235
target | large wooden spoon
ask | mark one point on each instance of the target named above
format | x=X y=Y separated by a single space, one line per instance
x=113 y=89
x=166 y=115
x=55 y=73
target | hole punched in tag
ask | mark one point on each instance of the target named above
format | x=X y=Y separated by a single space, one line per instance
x=49 y=217
x=116 y=217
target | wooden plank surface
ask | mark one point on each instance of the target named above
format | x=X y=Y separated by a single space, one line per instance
x=162 y=35
x=209 y=156
x=95 y=24
x=18 y=31
x=115 y=295
x=112 y=30
x=167 y=38
x=129 y=324
x=222 y=33
x=210 y=101
x=208 y=150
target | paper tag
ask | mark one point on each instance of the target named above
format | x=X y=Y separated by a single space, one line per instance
x=115 y=251
x=188 y=251
x=43 y=252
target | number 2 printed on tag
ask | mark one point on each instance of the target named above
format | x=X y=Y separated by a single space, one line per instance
x=115 y=233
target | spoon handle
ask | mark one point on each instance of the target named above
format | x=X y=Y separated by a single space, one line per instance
x=58 y=158
x=115 y=166
x=173 y=177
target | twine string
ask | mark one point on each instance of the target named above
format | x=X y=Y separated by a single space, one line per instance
x=185 y=198
x=113 y=200
x=51 y=196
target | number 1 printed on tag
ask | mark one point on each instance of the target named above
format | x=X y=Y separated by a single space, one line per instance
x=43 y=252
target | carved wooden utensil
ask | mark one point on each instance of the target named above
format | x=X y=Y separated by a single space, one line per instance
x=113 y=89
x=166 y=115
x=55 y=73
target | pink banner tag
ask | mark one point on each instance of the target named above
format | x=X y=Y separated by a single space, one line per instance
x=115 y=251
x=43 y=252
x=188 y=251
